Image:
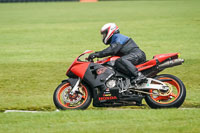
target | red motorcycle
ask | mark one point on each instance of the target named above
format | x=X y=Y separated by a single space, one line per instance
x=107 y=87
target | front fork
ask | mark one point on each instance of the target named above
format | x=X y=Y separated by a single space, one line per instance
x=75 y=88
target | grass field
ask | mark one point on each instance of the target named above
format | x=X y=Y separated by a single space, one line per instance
x=118 y=121
x=38 y=41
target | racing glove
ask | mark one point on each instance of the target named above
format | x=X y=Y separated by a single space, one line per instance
x=93 y=55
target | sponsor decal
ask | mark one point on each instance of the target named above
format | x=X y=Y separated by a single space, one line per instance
x=101 y=70
x=108 y=89
x=106 y=95
x=107 y=98
x=107 y=92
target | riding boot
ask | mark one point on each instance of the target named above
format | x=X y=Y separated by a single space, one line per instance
x=139 y=78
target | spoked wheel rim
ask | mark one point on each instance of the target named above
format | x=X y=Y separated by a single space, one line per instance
x=72 y=101
x=170 y=96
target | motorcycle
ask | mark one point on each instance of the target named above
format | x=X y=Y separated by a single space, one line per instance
x=108 y=87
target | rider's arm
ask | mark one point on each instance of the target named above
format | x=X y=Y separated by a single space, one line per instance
x=111 y=50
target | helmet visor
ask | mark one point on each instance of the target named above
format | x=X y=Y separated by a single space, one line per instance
x=103 y=36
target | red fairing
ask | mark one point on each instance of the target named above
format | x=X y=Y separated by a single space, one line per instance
x=160 y=58
x=163 y=57
x=79 y=68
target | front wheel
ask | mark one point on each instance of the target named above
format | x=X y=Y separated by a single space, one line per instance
x=65 y=101
x=173 y=98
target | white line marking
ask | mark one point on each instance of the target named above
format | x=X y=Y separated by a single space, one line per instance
x=28 y=111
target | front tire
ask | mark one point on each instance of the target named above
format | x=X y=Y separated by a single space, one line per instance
x=64 y=101
x=174 y=99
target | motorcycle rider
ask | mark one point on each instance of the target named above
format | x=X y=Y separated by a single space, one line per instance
x=123 y=46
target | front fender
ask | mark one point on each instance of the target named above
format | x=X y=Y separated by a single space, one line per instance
x=72 y=81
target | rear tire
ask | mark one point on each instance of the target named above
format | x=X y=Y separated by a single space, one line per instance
x=64 y=101
x=173 y=100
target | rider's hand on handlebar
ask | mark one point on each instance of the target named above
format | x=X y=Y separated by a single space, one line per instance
x=92 y=56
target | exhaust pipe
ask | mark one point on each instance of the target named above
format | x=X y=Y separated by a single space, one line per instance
x=170 y=63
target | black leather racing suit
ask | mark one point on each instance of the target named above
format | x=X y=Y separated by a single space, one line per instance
x=130 y=54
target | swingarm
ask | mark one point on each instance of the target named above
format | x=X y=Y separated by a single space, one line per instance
x=152 y=84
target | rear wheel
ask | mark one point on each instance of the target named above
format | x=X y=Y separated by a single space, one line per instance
x=65 y=101
x=173 y=98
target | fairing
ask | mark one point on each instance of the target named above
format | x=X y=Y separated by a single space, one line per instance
x=163 y=57
x=156 y=60
x=79 y=67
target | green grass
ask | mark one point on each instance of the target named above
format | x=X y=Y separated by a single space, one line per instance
x=38 y=42
x=104 y=121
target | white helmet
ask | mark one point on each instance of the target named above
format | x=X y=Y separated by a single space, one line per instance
x=107 y=31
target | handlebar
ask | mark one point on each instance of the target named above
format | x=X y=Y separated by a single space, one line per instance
x=90 y=60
